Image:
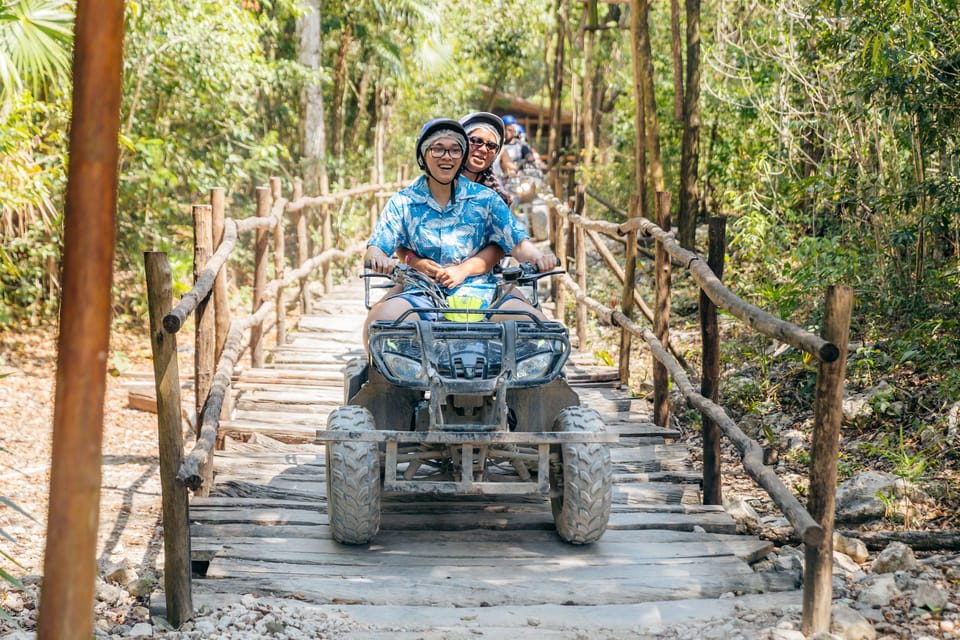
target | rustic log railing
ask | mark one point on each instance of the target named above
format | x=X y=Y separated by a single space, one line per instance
x=220 y=344
x=219 y=339
x=570 y=227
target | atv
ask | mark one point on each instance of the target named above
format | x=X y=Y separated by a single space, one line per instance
x=451 y=402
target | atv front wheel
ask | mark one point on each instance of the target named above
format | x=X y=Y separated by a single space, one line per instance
x=583 y=479
x=353 y=478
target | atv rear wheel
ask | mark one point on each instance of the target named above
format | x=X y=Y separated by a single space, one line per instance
x=584 y=479
x=353 y=479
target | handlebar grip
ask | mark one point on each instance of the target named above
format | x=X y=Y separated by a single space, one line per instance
x=367 y=264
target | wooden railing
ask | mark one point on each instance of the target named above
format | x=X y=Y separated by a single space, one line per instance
x=570 y=229
x=219 y=337
x=220 y=344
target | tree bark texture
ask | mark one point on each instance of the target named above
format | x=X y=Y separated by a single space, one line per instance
x=689 y=204
x=70 y=562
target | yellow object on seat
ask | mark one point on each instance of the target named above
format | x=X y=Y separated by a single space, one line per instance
x=464 y=302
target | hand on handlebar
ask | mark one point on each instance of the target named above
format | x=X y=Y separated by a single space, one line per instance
x=376 y=260
x=546 y=262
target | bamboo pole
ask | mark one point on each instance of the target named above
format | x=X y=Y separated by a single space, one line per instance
x=70 y=562
x=827 y=414
x=205 y=346
x=710 y=379
x=629 y=293
x=176 y=504
x=279 y=263
x=661 y=316
x=259 y=276
x=221 y=303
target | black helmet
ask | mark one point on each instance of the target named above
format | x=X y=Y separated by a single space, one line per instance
x=481 y=118
x=448 y=127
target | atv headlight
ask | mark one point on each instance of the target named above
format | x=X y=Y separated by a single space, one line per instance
x=536 y=366
x=401 y=366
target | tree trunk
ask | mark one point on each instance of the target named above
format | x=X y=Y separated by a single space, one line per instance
x=554 y=140
x=690 y=148
x=640 y=126
x=652 y=122
x=313 y=132
x=677 y=59
x=589 y=92
x=338 y=119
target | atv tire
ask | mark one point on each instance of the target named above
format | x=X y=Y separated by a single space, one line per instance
x=584 y=479
x=353 y=479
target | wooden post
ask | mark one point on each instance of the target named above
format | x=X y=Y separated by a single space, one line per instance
x=279 y=263
x=303 y=246
x=326 y=219
x=70 y=561
x=205 y=329
x=205 y=338
x=627 y=302
x=827 y=414
x=259 y=277
x=710 y=378
x=176 y=504
x=220 y=302
x=580 y=256
x=661 y=316
x=560 y=244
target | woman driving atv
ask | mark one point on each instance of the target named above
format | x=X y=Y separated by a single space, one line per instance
x=485 y=137
x=447 y=221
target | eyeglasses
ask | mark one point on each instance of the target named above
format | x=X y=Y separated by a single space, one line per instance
x=480 y=142
x=453 y=152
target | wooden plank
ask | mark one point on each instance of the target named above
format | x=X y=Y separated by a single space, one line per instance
x=549 y=551
x=432 y=591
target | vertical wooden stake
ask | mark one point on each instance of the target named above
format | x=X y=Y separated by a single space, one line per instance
x=580 y=257
x=205 y=348
x=176 y=505
x=279 y=263
x=560 y=298
x=661 y=316
x=259 y=277
x=827 y=415
x=626 y=299
x=326 y=221
x=710 y=378
x=303 y=246
x=221 y=303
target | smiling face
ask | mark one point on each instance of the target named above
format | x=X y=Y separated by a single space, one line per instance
x=481 y=155
x=443 y=158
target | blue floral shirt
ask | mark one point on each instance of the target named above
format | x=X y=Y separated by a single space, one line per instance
x=473 y=219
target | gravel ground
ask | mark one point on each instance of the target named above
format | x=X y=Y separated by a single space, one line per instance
x=129 y=542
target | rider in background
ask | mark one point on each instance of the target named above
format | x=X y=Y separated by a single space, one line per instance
x=446 y=222
x=515 y=151
x=485 y=135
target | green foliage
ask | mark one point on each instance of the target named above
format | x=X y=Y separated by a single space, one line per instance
x=35 y=39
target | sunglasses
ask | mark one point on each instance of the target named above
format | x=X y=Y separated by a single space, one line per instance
x=480 y=142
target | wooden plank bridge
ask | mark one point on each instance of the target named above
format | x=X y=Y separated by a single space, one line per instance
x=476 y=561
